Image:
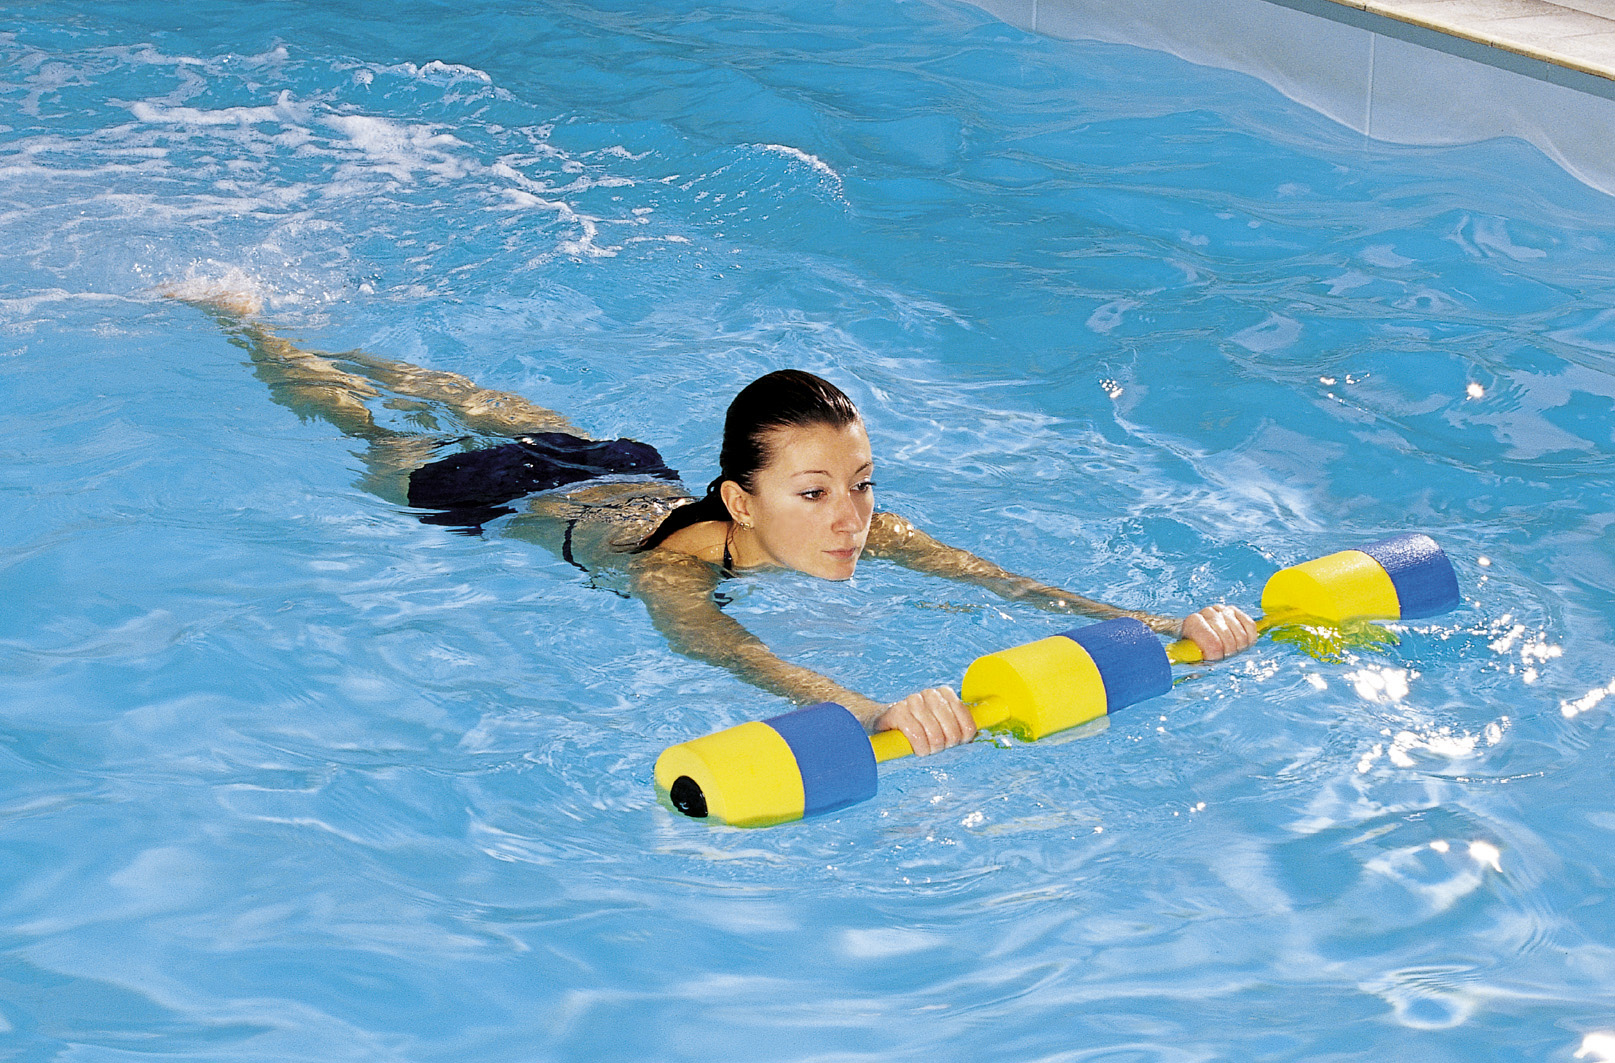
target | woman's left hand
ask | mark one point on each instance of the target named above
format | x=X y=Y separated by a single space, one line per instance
x=1219 y=630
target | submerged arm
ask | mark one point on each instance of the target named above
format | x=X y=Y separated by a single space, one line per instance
x=677 y=589
x=1218 y=630
x=896 y=539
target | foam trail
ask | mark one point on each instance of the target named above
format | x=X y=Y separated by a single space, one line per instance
x=233 y=290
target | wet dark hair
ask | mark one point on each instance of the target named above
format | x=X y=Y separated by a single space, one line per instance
x=787 y=398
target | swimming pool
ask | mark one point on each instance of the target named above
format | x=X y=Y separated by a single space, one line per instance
x=287 y=775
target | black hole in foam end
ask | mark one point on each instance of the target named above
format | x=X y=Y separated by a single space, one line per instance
x=688 y=798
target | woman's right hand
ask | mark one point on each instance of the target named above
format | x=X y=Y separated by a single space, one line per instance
x=1220 y=631
x=931 y=720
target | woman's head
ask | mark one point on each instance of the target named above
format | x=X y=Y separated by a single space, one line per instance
x=795 y=477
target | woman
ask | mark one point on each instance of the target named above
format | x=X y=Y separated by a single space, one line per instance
x=795 y=491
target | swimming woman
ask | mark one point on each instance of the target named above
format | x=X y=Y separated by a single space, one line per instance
x=795 y=491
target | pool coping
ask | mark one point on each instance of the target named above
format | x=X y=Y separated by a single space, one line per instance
x=1553 y=42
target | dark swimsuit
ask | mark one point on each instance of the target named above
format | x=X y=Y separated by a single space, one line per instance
x=471 y=489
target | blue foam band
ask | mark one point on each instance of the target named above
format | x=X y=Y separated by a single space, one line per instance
x=1424 y=580
x=833 y=753
x=1131 y=660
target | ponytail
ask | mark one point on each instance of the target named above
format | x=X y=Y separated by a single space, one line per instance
x=708 y=507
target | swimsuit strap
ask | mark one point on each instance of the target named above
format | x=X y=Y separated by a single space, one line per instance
x=566 y=547
x=728 y=561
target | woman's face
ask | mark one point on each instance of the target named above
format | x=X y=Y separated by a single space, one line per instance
x=810 y=505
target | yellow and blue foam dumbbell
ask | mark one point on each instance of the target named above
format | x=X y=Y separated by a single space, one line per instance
x=1405 y=577
x=819 y=759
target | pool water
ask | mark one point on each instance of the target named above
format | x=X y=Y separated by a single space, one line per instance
x=287 y=775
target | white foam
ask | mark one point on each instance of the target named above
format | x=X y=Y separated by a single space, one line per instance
x=817 y=164
x=15 y=311
x=797 y=153
x=150 y=56
x=284 y=112
x=277 y=54
x=401 y=150
x=436 y=70
x=455 y=70
x=582 y=246
x=256 y=182
x=50 y=77
x=231 y=289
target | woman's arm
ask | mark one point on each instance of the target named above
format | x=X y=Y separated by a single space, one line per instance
x=677 y=590
x=1218 y=630
x=895 y=539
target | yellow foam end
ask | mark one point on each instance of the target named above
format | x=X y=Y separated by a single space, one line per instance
x=1342 y=586
x=1184 y=651
x=748 y=775
x=890 y=745
x=1040 y=688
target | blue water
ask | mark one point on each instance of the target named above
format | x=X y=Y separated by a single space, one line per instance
x=287 y=775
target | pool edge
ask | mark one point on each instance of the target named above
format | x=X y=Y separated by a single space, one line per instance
x=1390 y=79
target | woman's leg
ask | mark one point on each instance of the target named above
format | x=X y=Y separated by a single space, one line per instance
x=479 y=409
x=312 y=384
x=306 y=383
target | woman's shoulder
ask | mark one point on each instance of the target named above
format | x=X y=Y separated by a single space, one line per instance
x=704 y=541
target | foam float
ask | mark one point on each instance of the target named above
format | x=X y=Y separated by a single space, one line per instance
x=819 y=758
